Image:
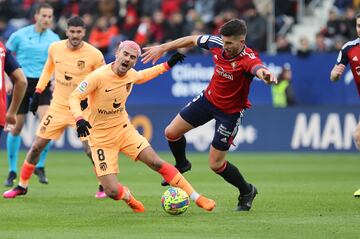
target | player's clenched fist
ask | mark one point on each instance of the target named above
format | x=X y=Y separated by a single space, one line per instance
x=82 y=128
x=337 y=71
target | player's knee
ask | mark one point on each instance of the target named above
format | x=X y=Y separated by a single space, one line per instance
x=215 y=164
x=167 y=133
x=16 y=131
x=170 y=134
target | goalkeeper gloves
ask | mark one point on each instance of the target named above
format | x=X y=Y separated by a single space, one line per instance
x=34 y=102
x=82 y=128
x=175 y=58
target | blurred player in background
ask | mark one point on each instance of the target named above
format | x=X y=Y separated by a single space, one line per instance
x=71 y=60
x=30 y=44
x=350 y=54
x=225 y=100
x=111 y=131
x=9 y=65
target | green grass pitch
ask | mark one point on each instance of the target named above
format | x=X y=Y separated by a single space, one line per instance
x=301 y=195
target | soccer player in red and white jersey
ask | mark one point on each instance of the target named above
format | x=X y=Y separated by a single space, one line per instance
x=224 y=100
x=12 y=68
x=350 y=54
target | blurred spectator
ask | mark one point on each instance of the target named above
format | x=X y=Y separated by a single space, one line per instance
x=205 y=9
x=5 y=29
x=282 y=93
x=87 y=7
x=6 y=9
x=347 y=24
x=223 y=5
x=130 y=25
x=158 y=27
x=175 y=27
x=149 y=7
x=102 y=33
x=142 y=35
x=304 y=47
x=343 y=4
x=242 y=5
x=256 y=25
x=284 y=15
x=108 y=8
x=333 y=24
x=282 y=44
x=321 y=43
x=168 y=7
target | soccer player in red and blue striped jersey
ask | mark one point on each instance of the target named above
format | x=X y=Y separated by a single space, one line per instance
x=10 y=66
x=224 y=100
x=350 y=54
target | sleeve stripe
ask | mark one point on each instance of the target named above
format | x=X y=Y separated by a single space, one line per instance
x=256 y=68
x=216 y=40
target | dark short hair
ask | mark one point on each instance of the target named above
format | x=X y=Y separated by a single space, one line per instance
x=357 y=15
x=234 y=27
x=75 y=21
x=43 y=5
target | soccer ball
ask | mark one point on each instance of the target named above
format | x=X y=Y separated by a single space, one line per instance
x=175 y=201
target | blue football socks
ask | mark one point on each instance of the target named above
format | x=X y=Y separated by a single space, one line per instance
x=13 y=143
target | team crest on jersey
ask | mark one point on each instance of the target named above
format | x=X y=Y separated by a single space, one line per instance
x=234 y=64
x=103 y=166
x=355 y=58
x=81 y=64
x=128 y=87
x=42 y=129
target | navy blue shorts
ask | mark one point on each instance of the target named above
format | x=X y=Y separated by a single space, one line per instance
x=44 y=98
x=200 y=111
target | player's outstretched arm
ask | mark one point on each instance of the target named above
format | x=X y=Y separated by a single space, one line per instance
x=152 y=72
x=265 y=75
x=20 y=85
x=155 y=52
x=337 y=71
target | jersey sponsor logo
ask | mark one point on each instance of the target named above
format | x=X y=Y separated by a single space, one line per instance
x=223 y=73
x=110 y=112
x=355 y=58
x=82 y=87
x=103 y=166
x=138 y=147
x=81 y=64
x=204 y=39
x=116 y=105
x=67 y=77
x=107 y=90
